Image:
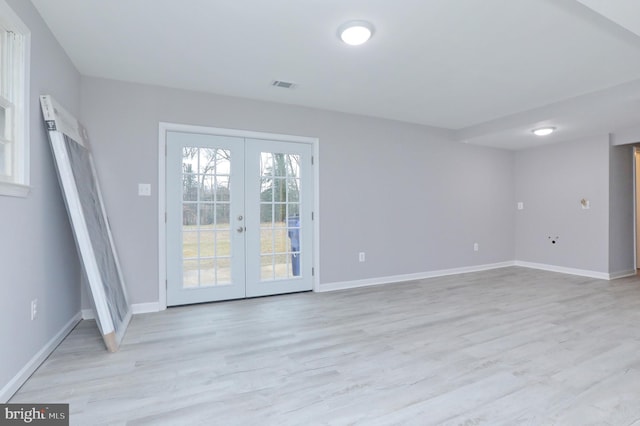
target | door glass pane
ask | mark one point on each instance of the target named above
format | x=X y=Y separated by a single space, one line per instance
x=223 y=214
x=206 y=160
x=189 y=244
x=223 y=270
x=222 y=188
x=293 y=190
x=279 y=216
x=3 y=123
x=4 y=171
x=266 y=268
x=207 y=188
x=207 y=243
x=279 y=213
x=279 y=190
x=190 y=274
x=207 y=272
x=206 y=228
x=267 y=241
x=223 y=255
x=206 y=215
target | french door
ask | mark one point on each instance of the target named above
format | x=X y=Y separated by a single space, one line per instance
x=239 y=219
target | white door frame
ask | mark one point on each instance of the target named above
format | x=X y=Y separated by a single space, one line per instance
x=162 y=190
x=636 y=153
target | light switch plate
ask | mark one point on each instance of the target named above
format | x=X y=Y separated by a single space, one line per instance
x=520 y=205
x=144 y=189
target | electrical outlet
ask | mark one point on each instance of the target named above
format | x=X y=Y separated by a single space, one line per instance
x=476 y=246
x=520 y=205
x=144 y=189
x=34 y=309
x=361 y=256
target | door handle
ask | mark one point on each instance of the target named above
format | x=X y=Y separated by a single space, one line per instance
x=240 y=229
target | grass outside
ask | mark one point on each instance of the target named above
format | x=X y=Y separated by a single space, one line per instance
x=215 y=244
x=215 y=240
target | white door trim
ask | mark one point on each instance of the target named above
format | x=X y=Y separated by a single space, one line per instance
x=164 y=127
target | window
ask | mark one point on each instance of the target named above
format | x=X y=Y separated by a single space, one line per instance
x=14 y=118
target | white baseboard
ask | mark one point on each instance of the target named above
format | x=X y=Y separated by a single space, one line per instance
x=145 y=308
x=622 y=274
x=343 y=285
x=564 y=270
x=136 y=308
x=19 y=379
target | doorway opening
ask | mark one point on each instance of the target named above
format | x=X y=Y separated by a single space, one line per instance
x=238 y=214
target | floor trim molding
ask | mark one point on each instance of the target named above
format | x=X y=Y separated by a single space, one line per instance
x=343 y=285
x=580 y=272
x=32 y=365
x=623 y=274
x=564 y=270
x=136 y=308
x=143 y=308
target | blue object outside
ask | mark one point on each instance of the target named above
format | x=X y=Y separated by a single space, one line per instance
x=293 y=225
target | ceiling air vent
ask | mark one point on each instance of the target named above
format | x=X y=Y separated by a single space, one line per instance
x=283 y=84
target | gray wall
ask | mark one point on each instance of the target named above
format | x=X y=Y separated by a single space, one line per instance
x=404 y=194
x=37 y=250
x=551 y=180
x=621 y=238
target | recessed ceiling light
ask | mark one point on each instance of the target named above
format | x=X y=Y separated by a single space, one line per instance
x=544 y=131
x=355 y=33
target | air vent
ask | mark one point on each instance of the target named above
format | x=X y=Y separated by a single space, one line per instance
x=283 y=84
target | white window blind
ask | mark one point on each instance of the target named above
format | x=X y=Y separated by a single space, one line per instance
x=14 y=71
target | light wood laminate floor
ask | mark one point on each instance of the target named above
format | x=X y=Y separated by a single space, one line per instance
x=504 y=347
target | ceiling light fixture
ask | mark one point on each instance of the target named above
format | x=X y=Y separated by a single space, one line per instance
x=355 y=33
x=543 y=131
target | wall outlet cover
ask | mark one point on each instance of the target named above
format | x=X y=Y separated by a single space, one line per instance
x=34 y=309
x=144 y=189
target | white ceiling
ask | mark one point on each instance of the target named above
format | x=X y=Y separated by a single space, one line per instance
x=489 y=70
